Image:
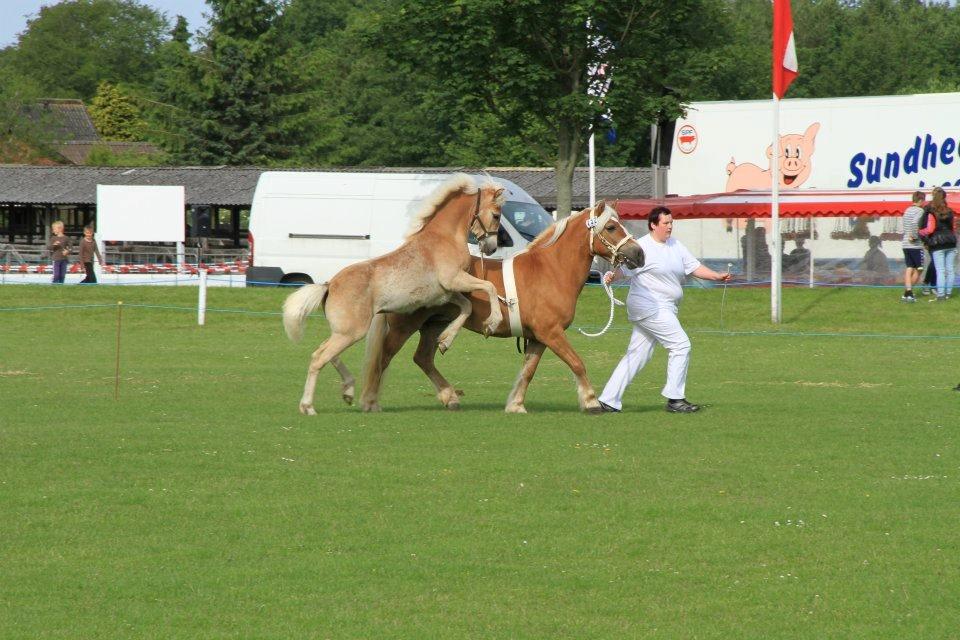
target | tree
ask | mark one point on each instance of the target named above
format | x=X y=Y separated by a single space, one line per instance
x=115 y=114
x=71 y=46
x=230 y=101
x=529 y=63
x=24 y=133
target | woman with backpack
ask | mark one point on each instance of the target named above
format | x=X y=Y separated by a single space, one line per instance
x=940 y=235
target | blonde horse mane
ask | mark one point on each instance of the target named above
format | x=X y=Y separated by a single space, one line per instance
x=431 y=204
x=551 y=234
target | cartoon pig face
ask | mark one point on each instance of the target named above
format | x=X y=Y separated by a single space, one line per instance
x=795 y=153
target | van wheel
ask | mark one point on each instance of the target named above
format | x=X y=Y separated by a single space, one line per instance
x=296 y=278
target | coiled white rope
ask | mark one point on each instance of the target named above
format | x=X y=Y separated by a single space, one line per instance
x=613 y=303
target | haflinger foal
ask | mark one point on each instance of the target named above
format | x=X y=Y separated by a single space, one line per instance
x=429 y=269
x=541 y=285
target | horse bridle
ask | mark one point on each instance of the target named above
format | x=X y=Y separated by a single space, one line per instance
x=476 y=220
x=596 y=225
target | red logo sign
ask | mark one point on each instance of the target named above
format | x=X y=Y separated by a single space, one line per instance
x=687 y=138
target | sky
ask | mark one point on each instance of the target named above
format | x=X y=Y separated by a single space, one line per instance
x=14 y=14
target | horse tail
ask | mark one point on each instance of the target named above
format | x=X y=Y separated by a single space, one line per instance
x=373 y=352
x=299 y=305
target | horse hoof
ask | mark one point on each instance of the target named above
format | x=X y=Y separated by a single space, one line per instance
x=515 y=408
x=459 y=392
x=593 y=410
x=307 y=410
x=372 y=408
x=453 y=406
x=348 y=398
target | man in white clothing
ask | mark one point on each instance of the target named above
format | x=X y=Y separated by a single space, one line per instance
x=655 y=290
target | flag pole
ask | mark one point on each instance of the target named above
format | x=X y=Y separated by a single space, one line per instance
x=593 y=175
x=775 y=264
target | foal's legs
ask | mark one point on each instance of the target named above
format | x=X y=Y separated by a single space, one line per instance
x=466 y=283
x=333 y=347
x=392 y=341
x=466 y=308
x=531 y=358
x=347 y=381
x=424 y=358
x=557 y=342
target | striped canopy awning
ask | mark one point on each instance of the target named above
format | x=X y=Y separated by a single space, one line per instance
x=795 y=203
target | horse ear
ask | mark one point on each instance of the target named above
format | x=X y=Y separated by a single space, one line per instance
x=599 y=207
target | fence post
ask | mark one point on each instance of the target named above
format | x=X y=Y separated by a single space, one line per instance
x=202 y=302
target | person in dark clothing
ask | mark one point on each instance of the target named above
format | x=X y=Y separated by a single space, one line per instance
x=89 y=249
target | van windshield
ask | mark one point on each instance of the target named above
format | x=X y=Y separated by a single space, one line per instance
x=529 y=219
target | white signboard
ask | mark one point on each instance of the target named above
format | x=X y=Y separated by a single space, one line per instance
x=886 y=142
x=140 y=213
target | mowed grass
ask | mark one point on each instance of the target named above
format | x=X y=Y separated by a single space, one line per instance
x=816 y=495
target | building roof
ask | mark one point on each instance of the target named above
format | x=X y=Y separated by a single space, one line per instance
x=78 y=152
x=67 y=120
x=234 y=186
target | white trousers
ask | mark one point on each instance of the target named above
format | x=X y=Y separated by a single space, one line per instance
x=663 y=327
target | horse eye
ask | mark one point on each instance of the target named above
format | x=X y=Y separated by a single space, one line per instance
x=611 y=227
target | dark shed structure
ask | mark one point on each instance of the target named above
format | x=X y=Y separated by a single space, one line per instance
x=218 y=199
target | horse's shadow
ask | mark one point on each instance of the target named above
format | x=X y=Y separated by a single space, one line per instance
x=532 y=409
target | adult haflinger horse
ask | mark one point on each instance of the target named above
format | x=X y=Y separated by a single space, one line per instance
x=542 y=285
x=427 y=270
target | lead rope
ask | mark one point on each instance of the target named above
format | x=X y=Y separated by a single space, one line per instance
x=613 y=303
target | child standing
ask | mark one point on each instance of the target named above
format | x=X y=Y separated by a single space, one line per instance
x=89 y=249
x=59 y=248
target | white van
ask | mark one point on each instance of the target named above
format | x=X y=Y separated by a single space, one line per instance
x=306 y=226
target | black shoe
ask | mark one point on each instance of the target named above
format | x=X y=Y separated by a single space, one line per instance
x=682 y=406
x=607 y=408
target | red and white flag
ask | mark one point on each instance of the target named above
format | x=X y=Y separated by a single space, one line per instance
x=784 y=51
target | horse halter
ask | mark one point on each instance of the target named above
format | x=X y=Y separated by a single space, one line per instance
x=596 y=225
x=476 y=220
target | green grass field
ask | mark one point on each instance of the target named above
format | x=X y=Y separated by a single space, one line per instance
x=816 y=496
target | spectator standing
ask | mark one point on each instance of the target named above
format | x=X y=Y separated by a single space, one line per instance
x=940 y=231
x=655 y=290
x=59 y=248
x=89 y=249
x=911 y=245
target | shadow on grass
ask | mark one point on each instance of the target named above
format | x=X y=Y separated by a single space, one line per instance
x=532 y=408
x=818 y=300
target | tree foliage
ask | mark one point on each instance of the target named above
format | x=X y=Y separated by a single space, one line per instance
x=529 y=63
x=448 y=82
x=70 y=47
x=115 y=114
x=229 y=97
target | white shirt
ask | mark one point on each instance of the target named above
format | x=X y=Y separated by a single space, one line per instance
x=658 y=284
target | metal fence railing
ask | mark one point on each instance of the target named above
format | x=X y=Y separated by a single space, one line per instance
x=137 y=259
